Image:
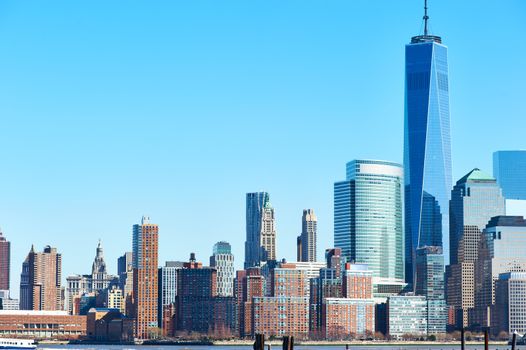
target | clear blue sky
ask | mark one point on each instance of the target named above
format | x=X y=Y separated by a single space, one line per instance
x=176 y=109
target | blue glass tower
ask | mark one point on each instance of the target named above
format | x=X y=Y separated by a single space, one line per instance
x=509 y=168
x=427 y=147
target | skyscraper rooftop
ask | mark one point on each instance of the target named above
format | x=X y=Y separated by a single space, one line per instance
x=426 y=37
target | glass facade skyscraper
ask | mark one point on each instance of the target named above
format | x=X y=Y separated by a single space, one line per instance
x=509 y=168
x=475 y=199
x=260 y=245
x=368 y=221
x=430 y=283
x=502 y=248
x=427 y=147
x=430 y=270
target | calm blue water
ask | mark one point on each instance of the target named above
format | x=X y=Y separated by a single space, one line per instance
x=276 y=347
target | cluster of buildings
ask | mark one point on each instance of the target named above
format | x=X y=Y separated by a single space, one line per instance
x=414 y=254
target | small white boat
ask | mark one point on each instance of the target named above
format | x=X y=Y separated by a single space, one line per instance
x=8 y=343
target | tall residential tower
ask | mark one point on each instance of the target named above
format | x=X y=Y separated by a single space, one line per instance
x=145 y=277
x=40 y=282
x=222 y=260
x=427 y=146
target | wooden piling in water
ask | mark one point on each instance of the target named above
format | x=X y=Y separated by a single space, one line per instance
x=513 y=340
x=288 y=342
x=259 y=343
x=462 y=339
x=486 y=339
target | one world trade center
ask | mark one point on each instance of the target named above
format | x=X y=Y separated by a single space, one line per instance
x=427 y=147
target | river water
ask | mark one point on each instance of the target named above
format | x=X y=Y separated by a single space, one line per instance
x=276 y=347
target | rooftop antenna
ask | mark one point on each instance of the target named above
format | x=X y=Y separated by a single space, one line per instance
x=426 y=17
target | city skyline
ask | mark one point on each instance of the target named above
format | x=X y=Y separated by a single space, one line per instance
x=36 y=194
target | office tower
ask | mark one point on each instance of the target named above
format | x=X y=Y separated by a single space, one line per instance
x=7 y=303
x=475 y=199
x=95 y=283
x=100 y=278
x=222 y=260
x=145 y=282
x=76 y=286
x=125 y=273
x=299 y=248
x=260 y=245
x=368 y=221
x=40 y=284
x=168 y=285
x=427 y=146
x=501 y=250
x=309 y=229
x=115 y=299
x=510 y=304
x=5 y=261
x=509 y=168
x=430 y=283
x=406 y=314
x=430 y=272
x=25 y=299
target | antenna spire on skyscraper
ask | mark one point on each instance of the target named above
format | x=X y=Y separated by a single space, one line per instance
x=426 y=17
x=426 y=37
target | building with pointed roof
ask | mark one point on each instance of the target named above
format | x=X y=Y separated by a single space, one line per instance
x=98 y=281
x=5 y=261
x=260 y=244
x=40 y=284
x=475 y=199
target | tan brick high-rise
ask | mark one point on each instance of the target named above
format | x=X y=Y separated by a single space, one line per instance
x=40 y=285
x=145 y=278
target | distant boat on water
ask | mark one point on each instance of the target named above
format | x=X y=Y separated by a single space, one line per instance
x=8 y=343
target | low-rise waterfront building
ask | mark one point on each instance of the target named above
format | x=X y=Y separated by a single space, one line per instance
x=280 y=316
x=406 y=315
x=7 y=303
x=108 y=325
x=41 y=325
x=510 y=303
x=345 y=318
